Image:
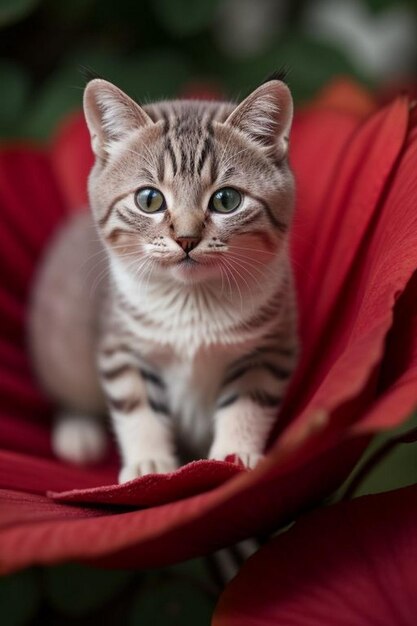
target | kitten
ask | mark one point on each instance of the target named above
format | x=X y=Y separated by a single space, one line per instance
x=189 y=334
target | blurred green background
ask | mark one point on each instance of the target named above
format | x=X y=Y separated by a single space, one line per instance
x=160 y=49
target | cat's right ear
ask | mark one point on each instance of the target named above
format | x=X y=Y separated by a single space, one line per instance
x=110 y=115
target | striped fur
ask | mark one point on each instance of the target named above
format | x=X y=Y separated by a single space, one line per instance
x=195 y=342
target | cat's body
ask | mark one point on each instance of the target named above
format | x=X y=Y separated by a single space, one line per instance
x=192 y=330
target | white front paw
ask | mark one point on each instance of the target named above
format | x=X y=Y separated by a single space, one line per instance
x=234 y=455
x=162 y=465
x=79 y=439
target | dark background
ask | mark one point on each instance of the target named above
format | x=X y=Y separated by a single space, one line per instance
x=162 y=49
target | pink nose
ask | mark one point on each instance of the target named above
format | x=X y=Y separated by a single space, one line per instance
x=188 y=243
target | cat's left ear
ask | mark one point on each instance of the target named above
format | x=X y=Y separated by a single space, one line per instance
x=265 y=116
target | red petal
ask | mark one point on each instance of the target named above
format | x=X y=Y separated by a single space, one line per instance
x=398 y=380
x=250 y=503
x=72 y=160
x=364 y=254
x=31 y=206
x=354 y=563
x=291 y=476
x=156 y=489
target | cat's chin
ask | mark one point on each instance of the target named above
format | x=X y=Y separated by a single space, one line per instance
x=190 y=271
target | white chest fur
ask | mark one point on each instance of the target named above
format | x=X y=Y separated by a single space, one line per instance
x=190 y=334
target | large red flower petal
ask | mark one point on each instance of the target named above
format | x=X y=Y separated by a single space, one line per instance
x=353 y=563
x=42 y=531
x=300 y=467
x=360 y=263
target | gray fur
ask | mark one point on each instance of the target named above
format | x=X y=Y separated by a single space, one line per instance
x=195 y=355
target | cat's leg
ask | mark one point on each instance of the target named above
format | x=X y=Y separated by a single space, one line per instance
x=241 y=429
x=146 y=443
x=78 y=438
x=249 y=401
x=143 y=427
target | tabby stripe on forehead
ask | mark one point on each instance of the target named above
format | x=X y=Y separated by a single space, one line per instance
x=207 y=148
x=161 y=166
x=183 y=168
x=214 y=167
x=166 y=121
x=170 y=150
x=210 y=119
x=208 y=143
x=192 y=162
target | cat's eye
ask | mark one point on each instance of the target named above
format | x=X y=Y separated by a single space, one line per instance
x=150 y=200
x=225 y=200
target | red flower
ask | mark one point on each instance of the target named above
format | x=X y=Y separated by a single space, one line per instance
x=353 y=563
x=355 y=253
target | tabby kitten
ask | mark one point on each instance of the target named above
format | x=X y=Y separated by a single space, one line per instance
x=188 y=336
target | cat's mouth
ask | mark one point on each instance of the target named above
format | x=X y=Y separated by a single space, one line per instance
x=187 y=261
x=188 y=269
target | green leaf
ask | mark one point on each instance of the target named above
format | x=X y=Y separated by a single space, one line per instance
x=14 y=10
x=185 y=17
x=171 y=602
x=194 y=569
x=14 y=97
x=376 y=473
x=61 y=94
x=76 y=590
x=70 y=13
x=397 y=469
x=158 y=74
x=310 y=63
x=148 y=77
x=19 y=598
x=379 y=6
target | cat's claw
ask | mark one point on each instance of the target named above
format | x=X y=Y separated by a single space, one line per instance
x=249 y=459
x=245 y=459
x=147 y=466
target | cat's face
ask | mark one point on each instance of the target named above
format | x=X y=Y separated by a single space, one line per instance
x=190 y=189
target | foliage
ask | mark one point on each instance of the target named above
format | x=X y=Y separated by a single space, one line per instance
x=153 y=49
x=75 y=594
